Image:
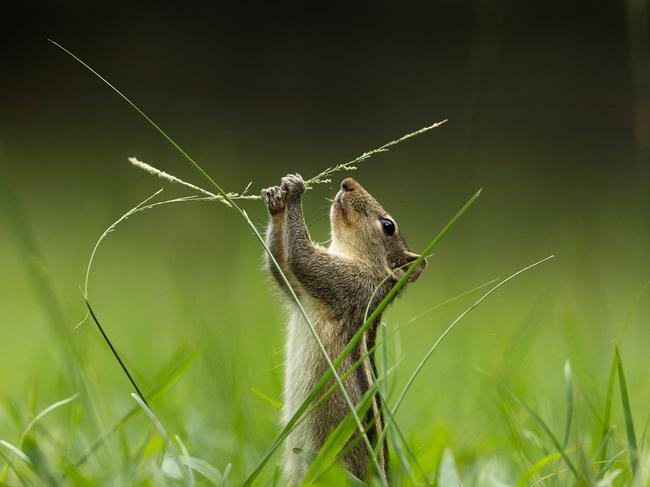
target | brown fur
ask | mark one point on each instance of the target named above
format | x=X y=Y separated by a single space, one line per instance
x=334 y=285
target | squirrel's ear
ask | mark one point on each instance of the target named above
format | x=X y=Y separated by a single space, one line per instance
x=409 y=257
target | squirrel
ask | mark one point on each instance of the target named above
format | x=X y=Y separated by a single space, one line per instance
x=366 y=257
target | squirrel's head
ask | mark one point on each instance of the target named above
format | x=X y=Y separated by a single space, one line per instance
x=363 y=229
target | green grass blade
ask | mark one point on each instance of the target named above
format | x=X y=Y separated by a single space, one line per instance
x=629 y=423
x=568 y=380
x=609 y=464
x=338 y=438
x=185 y=453
x=644 y=435
x=307 y=405
x=46 y=411
x=607 y=414
x=163 y=433
x=449 y=301
x=11 y=467
x=184 y=154
x=535 y=469
x=39 y=462
x=546 y=429
x=202 y=467
x=109 y=230
x=384 y=401
x=16 y=451
x=114 y=352
x=447 y=473
x=173 y=374
x=448 y=330
x=266 y=398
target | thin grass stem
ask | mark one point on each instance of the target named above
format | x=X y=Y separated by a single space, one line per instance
x=448 y=330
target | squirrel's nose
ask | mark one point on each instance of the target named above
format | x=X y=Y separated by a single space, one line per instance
x=349 y=184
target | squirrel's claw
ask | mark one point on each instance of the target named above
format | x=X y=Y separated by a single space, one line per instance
x=274 y=199
x=294 y=186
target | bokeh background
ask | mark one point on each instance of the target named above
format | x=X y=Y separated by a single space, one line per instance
x=549 y=111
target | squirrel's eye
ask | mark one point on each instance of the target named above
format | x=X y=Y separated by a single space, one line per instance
x=388 y=226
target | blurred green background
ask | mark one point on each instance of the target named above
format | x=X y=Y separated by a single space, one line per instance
x=549 y=112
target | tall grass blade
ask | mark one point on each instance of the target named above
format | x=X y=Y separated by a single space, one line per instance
x=40 y=463
x=46 y=411
x=448 y=330
x=173 y=374
x=202 y=467
x=546 y=429
x=114 y=352
x=629 y=422
x=10 y=467
x=448 y=474
x=16 y=451
x=449 y=301
x=109 y=230
x=338 y=438
x=607 y=414
x=185 y=453
x=163 y=433
x=609 y=464
x=535 y=469
x=266 y=398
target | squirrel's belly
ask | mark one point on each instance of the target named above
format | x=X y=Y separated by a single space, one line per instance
x=304 y=363
x=304 y=367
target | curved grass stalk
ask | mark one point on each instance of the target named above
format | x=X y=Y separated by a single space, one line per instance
x=448 y=330
x=140 y=207
x=46 y=411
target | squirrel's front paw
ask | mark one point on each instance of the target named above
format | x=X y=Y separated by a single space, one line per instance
x=274 y=199
x=294 y=186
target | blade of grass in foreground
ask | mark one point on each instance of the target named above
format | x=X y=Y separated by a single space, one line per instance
x=338 y=438
x=607 y=416
x=606 y=431
x=629 y=423
x=10 y=467
x=174 y=373
x=535 y=469
x=114 y=352
x=163 y=433
x=46 y=411
x=546 y=429
x=444 y=334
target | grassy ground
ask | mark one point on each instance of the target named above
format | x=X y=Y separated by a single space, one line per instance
x=193 y=314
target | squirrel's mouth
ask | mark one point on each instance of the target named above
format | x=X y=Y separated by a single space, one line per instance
x=339 y=205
